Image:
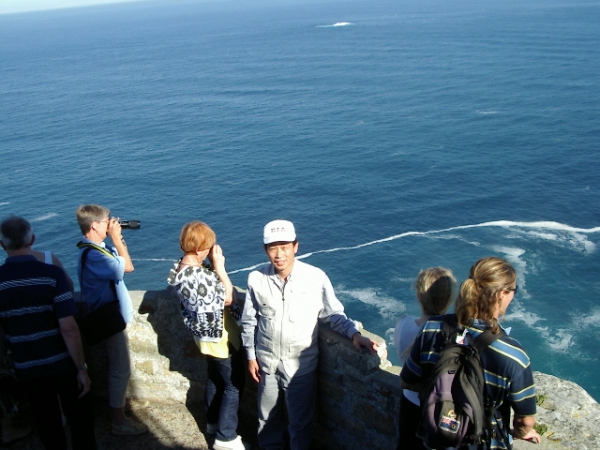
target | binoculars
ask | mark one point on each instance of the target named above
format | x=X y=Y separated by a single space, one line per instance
x=130 y=224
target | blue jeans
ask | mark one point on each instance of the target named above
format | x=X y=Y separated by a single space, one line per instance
x=226 y=378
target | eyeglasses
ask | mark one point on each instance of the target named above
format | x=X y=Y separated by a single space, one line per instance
x=516 y=288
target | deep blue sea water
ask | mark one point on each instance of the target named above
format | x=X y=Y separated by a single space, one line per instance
x=397 y=135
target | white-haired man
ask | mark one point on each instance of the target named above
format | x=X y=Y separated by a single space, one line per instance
x=37 y=316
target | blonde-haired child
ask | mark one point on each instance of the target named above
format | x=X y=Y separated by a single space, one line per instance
x=435 y=289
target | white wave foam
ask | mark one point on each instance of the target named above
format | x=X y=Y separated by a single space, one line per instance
x=511 y=252
x=558 y=339
x=487 y=113
x=593 y=320
x=541 y=235
x=540 y=224
x=513 y=255
x=518 y=314
x=247 y=269
x=404 y=280
x=44 y=217
x=576 y=240
x=561 y=341
x=4 y=203
x=387 y=307
x=337 y=24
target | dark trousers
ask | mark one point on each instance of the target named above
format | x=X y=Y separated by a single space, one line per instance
x=410 y=419
x=43 y=394
x=224 y=387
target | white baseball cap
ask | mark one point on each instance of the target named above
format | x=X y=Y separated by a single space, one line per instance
x=279 y=231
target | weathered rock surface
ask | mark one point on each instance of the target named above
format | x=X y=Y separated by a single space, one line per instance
x=571 y=415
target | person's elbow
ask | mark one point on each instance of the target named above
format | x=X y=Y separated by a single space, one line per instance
x=68 y=326
x=417 y=386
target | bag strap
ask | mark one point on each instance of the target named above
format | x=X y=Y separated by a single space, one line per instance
x=87 y=247
x=91 y=245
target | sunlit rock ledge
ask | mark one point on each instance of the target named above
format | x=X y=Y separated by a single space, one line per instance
x=358 y=394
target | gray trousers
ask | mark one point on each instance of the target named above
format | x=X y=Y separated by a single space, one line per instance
x=119 y=368
x=278 y=393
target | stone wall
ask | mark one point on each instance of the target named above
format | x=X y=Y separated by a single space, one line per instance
x=358 y=394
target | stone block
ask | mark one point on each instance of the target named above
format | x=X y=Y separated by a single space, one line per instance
x=331 y=389
x=375 y=417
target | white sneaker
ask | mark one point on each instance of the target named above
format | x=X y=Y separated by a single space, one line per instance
x=235 y=444
x=212 y=428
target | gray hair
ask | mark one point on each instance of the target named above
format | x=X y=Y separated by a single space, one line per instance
x=87 y=214
x=15 y=233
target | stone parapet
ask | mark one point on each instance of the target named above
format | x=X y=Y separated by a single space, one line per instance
x=358 y=394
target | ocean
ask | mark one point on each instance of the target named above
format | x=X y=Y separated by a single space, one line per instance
x=396 y=135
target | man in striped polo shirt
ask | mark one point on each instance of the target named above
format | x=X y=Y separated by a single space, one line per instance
x=37 y=316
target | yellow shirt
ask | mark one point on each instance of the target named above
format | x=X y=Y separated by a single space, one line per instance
x=231 y=333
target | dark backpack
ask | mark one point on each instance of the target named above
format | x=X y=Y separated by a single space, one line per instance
x=453 y=408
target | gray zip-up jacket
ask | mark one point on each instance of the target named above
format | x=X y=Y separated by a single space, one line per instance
x=280 y=318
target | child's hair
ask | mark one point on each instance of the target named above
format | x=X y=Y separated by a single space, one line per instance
x=435 y=288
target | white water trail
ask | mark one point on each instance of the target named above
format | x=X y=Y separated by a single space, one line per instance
x=507 y=224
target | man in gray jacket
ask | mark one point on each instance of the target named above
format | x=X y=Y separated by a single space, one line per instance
x=285 y=301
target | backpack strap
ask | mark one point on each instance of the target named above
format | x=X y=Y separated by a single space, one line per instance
x=485 y=339
x=481 y=343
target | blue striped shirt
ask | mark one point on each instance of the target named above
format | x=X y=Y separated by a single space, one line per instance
x=33 y=296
